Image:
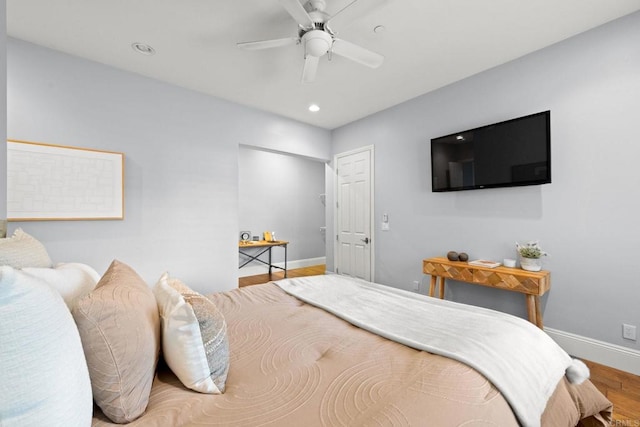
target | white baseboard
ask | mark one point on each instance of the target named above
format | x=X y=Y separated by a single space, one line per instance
x=615 y=356
x=254 y=270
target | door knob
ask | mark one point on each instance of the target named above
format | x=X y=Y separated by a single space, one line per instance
x=366 y=240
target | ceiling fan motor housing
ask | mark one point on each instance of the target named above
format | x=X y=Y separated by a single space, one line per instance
x=317 y=42
x=318 y=5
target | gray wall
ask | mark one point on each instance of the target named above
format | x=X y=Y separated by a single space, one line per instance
x=181 y=164
x=281 y=193
x=586 y=219
x=3 y=106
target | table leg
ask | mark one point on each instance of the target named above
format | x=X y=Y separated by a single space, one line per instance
x=432 y=286
x=270 y=265
x=285 y=261
x=442 y=287
x=538 y=312
x=533 y=310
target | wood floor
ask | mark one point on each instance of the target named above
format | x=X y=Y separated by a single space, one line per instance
x=621 y=388
x=264 y=278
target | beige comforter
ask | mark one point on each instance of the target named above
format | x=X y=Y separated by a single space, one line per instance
x=295 y=365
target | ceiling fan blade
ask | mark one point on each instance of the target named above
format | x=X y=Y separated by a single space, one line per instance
x=297 y=12
x=353 y=11
x=267 y=44
x=356 y=53
x=310 y=68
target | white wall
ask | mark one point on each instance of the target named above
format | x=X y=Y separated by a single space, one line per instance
x=586 y=219
x=181 y=164
x=281 y=193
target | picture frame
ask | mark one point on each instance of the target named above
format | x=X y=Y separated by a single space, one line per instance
x=47 y=182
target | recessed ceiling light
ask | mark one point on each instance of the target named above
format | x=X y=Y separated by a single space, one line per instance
x=314 y=108
x=460 y=138
x=379 y=29
x=142 y=48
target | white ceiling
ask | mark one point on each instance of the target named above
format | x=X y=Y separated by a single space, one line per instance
x=427 y=44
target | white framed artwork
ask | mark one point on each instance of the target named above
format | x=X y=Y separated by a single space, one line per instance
x=47 y=182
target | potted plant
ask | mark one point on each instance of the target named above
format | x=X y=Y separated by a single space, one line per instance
x=530 y=254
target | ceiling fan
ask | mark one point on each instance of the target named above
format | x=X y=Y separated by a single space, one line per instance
x=317 y=37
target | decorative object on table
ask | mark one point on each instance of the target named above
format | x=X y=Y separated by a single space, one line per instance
x=530 y=255
x=485 y=263
x=266 y=236
x=508 y=262
x=245 y=236
x=462 y=256
x=452 y=256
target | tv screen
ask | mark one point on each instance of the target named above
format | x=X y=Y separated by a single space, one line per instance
x=506 y=154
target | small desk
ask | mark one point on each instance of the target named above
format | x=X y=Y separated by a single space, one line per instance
x=263 y=246
x=531 y=283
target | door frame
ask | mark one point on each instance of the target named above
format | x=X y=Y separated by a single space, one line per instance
x=336 y=189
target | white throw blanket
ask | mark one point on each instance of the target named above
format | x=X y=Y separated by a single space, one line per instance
x=522 y=361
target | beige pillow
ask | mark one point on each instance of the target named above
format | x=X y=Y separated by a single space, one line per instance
x=194 y=336
x=120 y=331
x=22 y=250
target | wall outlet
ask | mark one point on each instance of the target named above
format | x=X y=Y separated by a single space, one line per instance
x=416 y=286
x=629 y=332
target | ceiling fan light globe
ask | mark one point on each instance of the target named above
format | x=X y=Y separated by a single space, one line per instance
x=317 y=42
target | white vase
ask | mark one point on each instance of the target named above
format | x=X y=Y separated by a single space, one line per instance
x=531 y=264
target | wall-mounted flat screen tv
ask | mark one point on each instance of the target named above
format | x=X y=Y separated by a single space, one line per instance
x=506 y=154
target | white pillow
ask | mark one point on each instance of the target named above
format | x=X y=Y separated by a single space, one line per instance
x=22 y=250
x=44 y=378
x=72 y=280
x=194 y=336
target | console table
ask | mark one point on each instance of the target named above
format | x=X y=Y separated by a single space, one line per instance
x=263 y=246
x=531 y=283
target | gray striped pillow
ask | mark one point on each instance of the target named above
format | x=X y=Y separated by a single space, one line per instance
x=194 y=336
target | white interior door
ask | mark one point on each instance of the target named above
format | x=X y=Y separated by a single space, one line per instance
x=354 y=212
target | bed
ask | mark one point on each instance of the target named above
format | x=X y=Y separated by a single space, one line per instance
x=316 y=351
x=293 y=364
